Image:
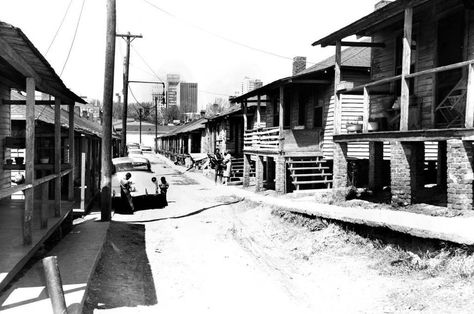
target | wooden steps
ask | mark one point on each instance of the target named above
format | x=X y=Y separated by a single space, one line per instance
x=309 y=172
x=237 y=174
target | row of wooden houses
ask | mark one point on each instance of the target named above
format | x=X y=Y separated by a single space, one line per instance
x=398 y=105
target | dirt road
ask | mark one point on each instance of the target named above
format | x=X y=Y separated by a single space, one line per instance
x=209 y=252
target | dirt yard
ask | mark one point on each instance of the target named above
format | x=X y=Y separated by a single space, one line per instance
x=220 y=254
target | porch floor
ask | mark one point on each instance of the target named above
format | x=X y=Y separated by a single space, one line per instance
x=14 y=254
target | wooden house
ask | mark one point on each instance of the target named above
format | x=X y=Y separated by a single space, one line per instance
x=291 y=142
x=25 y=224
x=421 y=94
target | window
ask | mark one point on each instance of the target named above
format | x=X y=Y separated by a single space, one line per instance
x=303 y=99
x=276 y=110
x=287 y=108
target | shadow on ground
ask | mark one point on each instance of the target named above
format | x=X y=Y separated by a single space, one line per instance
x=123 y=276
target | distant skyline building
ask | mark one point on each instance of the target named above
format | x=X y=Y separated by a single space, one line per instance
x=172 y=83
x=188 y=97
x=249 y=84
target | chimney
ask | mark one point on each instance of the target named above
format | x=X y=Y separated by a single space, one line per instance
x=381 y=4
x=299 y=64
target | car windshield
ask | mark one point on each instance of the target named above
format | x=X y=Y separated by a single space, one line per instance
x=135 y=151
x=133 y=166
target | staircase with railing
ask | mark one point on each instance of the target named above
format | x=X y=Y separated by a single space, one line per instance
x=309 y=172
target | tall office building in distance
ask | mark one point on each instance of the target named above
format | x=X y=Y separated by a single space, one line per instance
x=249 y=85
x=188 y=94
x=172 y=82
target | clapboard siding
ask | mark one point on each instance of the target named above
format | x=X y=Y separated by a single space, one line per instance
x=5 y=130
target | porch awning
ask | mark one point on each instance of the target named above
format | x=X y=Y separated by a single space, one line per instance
x=20 y=59
x=362 y=26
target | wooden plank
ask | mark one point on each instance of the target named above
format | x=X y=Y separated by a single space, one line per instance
x=366 y=111
x=30 y=160
x=258 y=110
x=83 y=173
x=44 y=205
x=57 y=157
x=244 y=105
x=469 y=119
x=337 y=97
x=406 y=63
x=360 y=44
x=23 y=102
x=71 y=153
x=14 y=189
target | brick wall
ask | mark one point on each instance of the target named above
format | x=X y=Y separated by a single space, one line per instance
x=407 y=162
x=460 y=174
x=340 y=172
x=280 y=174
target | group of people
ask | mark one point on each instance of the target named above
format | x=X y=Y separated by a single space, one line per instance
x=222 y=165
x=126 y=187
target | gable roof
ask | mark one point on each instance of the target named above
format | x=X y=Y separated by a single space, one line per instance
x=187 y=128
x=352 y=57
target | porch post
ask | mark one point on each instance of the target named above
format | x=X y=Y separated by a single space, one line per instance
x=337 y=96
x=57 y=157
x=469 y=98
x=366 y=111
x=83 y=173
x=406 y=62
x=258 y=111
x=281 y=117
x=190 y=142
x=71 y=153
x=340 y=172
x=30 y=160
x=244 y=110
x=375 y=165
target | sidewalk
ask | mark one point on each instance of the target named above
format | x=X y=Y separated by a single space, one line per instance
x=456 y=229
x=77 y=255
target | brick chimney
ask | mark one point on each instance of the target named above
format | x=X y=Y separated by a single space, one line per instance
x=299 y=64
x=381 y=4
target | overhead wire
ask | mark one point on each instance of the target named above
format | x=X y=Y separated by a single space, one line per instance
x=59 y=27
x=74 y=37
x=235 y=42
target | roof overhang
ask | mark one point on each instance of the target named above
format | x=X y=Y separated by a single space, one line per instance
x=361 y=27
x=19 y=59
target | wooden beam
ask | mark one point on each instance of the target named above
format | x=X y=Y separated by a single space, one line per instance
x=57 y=157
x=83 y=173
x=30 y=160
x=366 y=111
x=469 y=119
x=258 y=111
x=244 y=109
x=309 y=81
x=337 y=96
x=71 y=153
x=23 y=102
x=17 y=62
x=281 y=116
x=360 y=44
x=406 y=63
x=44 y=205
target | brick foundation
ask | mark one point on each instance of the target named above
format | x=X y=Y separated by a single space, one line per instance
x=280 y=174
x=270 y=172
x=375 y=166
x=246 y=178
x=406 y=166
x=442 y=165
x=340 y=172
x=459 y=174
x=259 y=174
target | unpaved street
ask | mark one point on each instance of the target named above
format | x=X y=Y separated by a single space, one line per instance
x=209 y=252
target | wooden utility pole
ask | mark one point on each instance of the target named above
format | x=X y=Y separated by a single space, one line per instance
x=106 y=166
x=126 y=65
x=140 y=112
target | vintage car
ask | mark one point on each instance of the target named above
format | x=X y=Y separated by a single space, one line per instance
x=143 y=188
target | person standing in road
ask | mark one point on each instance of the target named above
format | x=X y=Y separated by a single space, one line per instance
x=125 y=189
x=164 y=189
x=218 y=165
x=227 y=164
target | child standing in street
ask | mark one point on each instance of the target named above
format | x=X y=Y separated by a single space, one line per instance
x=164 y=189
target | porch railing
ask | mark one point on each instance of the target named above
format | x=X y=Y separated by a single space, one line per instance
x=466 y=110
x=264 y=139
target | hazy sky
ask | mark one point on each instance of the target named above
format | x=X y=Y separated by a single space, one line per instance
x=185 y=37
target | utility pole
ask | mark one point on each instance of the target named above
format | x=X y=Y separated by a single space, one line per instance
x=140 y=112
x=128 y=39
x=106 y=160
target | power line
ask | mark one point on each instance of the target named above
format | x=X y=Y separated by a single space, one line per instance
x=146 y=63
x=74 y=37
x=60 y=25
x=235 y=42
